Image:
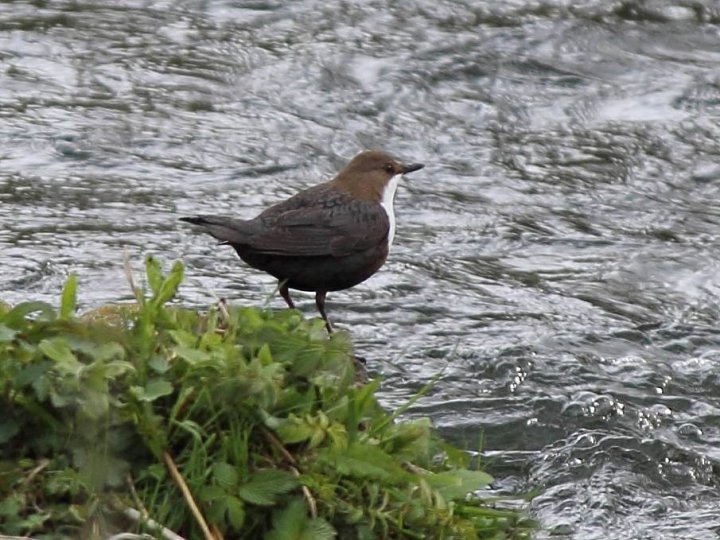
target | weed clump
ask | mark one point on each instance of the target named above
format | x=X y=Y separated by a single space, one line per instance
x=235 y=423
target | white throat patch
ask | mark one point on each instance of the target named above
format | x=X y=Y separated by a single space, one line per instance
x=387 y=204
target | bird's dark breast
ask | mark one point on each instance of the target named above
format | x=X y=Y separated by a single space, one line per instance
x=318 y=273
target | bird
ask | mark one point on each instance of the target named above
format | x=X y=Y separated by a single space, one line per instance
x=325 y=238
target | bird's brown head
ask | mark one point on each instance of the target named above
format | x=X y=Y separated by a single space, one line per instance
x=369 y=172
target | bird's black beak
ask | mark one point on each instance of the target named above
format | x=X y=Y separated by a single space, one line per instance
x=412 y=167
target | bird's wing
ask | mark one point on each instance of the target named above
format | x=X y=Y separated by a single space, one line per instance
x=334 y=225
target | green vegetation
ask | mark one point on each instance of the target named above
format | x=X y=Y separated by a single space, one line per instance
x=236 y=423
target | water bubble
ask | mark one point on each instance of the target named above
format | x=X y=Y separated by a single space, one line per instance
x=690 y=431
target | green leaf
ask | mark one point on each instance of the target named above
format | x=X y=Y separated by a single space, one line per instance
x=295 y=430
x=156 y=471
x=454 y=457
x=364 y=461
x=288 y=524
x=153 y=390
x=58 y=350
x=170 y=285
x=8 y=429
x=193 y=428
x=17 y=315
x=306 y=363
x=95 y=403
x=293 y=523
x=212 y=493
x=318 y=529
x=317 y=438
x=153 y=271
x=264 y=355
x=364 y=397
x=184 y=338
x=159 y=364
x=110 y=350
x=263 y=487
x=457 y=483
x=6 y=334
x=31 y=373
x=42 y=387
x=191 y=356
x=225 y=474
x=118 y=367
x=98 y=352
x=235 y=509
x=68 y=300
x=338 y=435
x=12 y=505
x=408 y=440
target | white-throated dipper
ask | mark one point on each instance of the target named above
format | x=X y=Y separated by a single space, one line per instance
x=325 y=238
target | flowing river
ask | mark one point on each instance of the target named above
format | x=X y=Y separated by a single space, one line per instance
x=556 y=265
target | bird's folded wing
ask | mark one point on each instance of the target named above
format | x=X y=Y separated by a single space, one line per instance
x=316 y=231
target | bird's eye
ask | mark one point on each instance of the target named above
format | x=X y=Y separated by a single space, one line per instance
x=389 y=168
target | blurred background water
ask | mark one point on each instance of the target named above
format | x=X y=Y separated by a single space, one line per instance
x=557 y=262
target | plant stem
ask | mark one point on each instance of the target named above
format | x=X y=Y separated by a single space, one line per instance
x=185 y=490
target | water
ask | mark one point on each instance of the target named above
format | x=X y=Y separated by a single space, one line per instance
x=557 y=262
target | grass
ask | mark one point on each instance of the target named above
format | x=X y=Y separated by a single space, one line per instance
x=154 y=421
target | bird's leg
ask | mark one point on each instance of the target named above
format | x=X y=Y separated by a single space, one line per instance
x=320 y=303
x=285 y=293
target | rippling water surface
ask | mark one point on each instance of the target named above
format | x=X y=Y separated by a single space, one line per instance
x=557 y=261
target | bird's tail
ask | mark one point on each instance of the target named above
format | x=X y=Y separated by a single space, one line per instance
x=225 y=229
